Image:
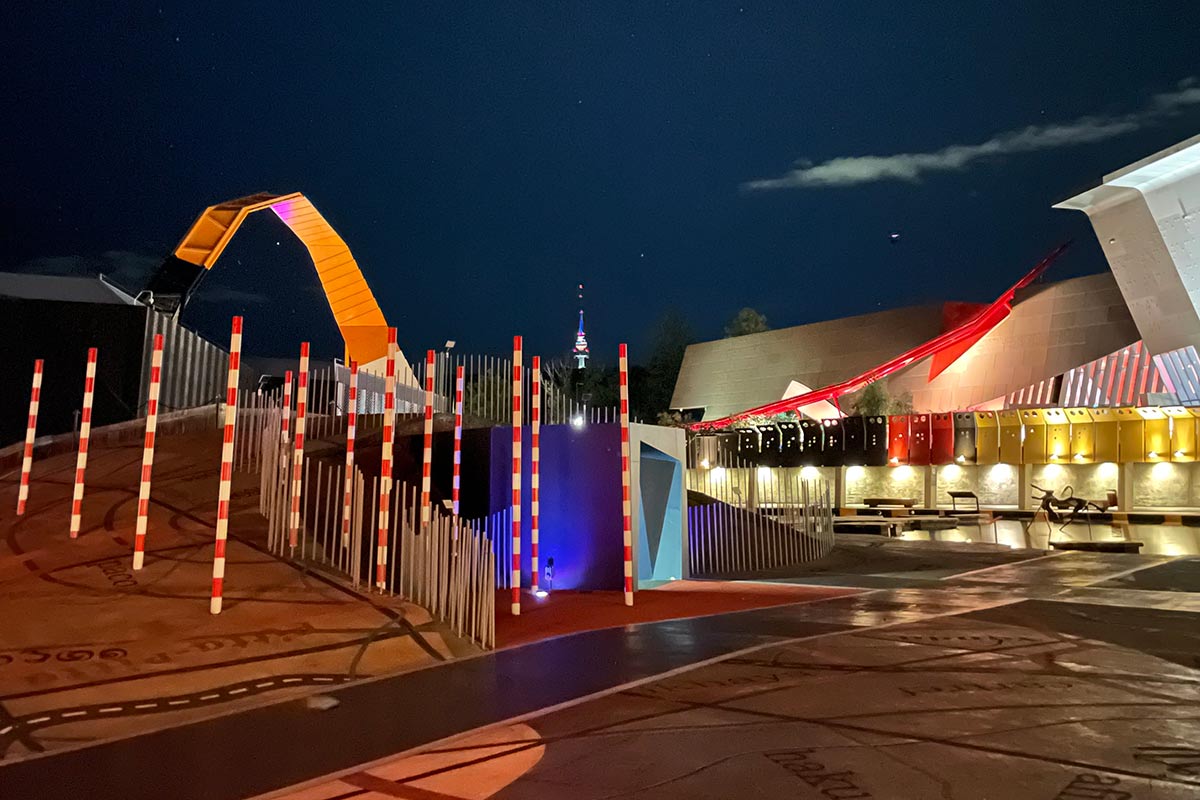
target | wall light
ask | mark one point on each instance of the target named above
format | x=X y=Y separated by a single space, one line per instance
x=1080 y=456
x=809 y=473
x=717 y=474
x=764 y=472
x=1108 y=470
x=1178 y=454
x=961 y=459
x=854 y=473
x=895 y=459
x=1152 y=454
x=951 y=471
x=577 y=421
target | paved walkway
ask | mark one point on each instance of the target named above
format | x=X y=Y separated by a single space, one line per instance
x=1017 y=697
x=1029 y=679
x=91 y=650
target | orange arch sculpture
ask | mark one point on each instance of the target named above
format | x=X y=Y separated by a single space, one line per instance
x=355 y=310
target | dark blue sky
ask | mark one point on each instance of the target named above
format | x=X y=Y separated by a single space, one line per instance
x=481 y=160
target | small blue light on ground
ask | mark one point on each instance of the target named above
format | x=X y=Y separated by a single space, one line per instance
x=577 y=421
x=540 y=593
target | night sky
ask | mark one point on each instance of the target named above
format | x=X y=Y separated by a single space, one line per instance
x=481 y=159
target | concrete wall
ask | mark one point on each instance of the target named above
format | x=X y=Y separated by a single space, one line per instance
x=764 y=485
x=996 y=484
x=899 y=482
x=1145 y=218
x=1052 y=328
x=1149 y=486
x=1090 y=481
x=731 y=375
x=1165 y=485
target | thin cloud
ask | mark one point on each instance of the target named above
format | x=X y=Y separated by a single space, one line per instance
x=127 y=269
x=852 y=170
x=225 y=294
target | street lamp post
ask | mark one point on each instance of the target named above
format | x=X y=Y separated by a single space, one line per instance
x=446 y=371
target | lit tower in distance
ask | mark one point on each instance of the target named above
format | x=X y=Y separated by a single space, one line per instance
x=581 y=354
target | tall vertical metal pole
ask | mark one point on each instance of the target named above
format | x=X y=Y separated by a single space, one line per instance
x=223 y=491
x=516 y=477
x=143 y=510
x=535 y=423
x=626 y=508
x=385 y=464
x=85 y=430
x=351 y=432
x=427 y=447
x=35 y=399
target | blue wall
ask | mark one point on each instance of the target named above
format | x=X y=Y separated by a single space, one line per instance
x=580 y=502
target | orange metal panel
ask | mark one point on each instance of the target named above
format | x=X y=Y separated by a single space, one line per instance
x=354 y=307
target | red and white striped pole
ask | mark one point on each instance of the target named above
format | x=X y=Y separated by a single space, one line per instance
x=427 y=449
x=458 y=404
x=351 y=425
x=298 y=449
x=535 y=423
x=35 y=399
x=516 y=477
x=231 y=396
x=626 y=509
x=143 y=517
x=85 y=431
x=285 y=424
x=385 y=463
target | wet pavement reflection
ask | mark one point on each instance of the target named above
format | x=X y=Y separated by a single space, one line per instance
x=909 y=690
x=1166 y=540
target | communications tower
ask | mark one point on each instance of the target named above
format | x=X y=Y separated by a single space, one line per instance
x=580 y=353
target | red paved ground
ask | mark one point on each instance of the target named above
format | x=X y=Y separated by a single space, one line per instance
x=569 y=612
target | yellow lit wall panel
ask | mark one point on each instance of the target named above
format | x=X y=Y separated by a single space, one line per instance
x=1107 y=433
x=1010 y=436
x=1033 y=447
x=1083 y=436
x=987 y=438
x=1183 y=433
x=1131 y=429
x=1156 y=434
x=1058 y=435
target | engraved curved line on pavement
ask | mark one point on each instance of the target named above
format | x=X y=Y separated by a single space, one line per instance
x=840 y=722
x=206 y=697
x=201 y=594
